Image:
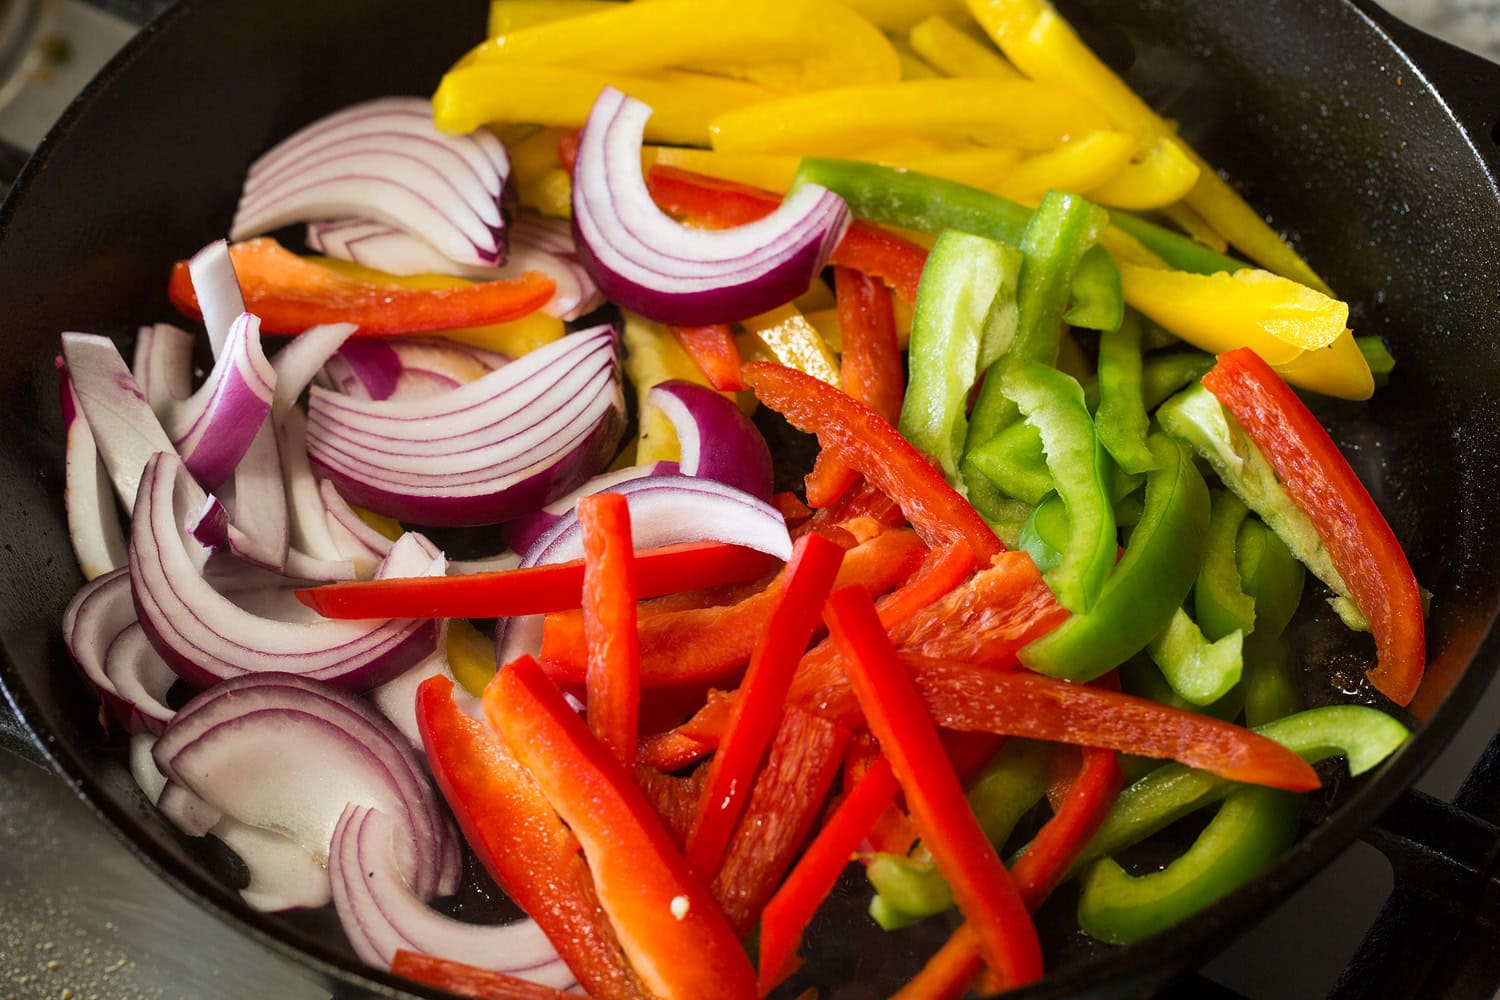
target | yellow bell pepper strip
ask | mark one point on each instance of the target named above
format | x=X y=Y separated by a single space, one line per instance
x=653 y=355
x=1321 y=483
x=512 y=339
x=771 y=171
x=955 y=52
x=512 y=15
x=1079 y=166
x=682 y=104
x=983 y=889
x=540 y=179
x=1159 y=177
x=1043 y=46
x=853 y=119
x=978 y=168
x=784 y=336
x=672 y=932
x=471 y=656
x=1340 y=370
x=899 y=16
x=913 y=66
x=1190 y=222
x=786 y=45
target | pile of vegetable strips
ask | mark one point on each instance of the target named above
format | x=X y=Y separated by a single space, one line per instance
x=1026 y=610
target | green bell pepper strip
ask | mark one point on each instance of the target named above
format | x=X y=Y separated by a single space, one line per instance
x=1060 y=231
x=929 y=204
x=1015 y=461
x=1128 y=511
x=1197 y=419
x=1250 y=831
x=1143 y=678
x=1005 y=790
x=1365 y=736
x=1121 y=416
x=1053 y=403
x=1378 y=357
x=1045 y=532
x=1147 y=585
x=1200 y=671
x=965 y=318
x=1165 y=374
x=1155 y=337
x=1181 y=252
x=1219 y=602
x=1273 y=578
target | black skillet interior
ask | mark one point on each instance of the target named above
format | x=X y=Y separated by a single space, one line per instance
x=1333 y=131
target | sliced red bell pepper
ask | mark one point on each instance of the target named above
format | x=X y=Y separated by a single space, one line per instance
x=467 y=981
x=1321 y=483
x=609 y=596
x=982 y=888
x=521 y=841
x=794 y=510
x=965 y=696
x=705 y=646
x=674 y=798
x=859 y=438
x=871 y=370
x=535 y=590
x=757 y=711
x=714 y=351
x=291 y=294
x=864 y=500
x=714 y=203
x=567 y=148
x=792 y=907
x=788 y=794
x=671 y=929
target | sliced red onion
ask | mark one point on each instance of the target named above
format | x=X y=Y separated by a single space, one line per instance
x=381 y=915
x=98 y=613
x=384 y=160
x=308 y=525
x=523 y=532
x=187 y=811
x=213 y=428
x=287 y=754
x=207 y=638
x=664 y=510
x=299 y=362
x=163 y=366
x=218 y=290
x=536 y=244
x=484 y=453
x=351 y=530
x=647 y=262
x=141 y=679
x=148 y=777
x=366 y=368
x=717 y=440
x=93 y=521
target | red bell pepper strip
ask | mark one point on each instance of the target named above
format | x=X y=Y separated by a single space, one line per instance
x=859 y=438
x=1320 y=482
x=789 y=792
x=714 y=203
x=535 y=590
x=714 y=351
x=675 y=799
x=676 y=938
x=870 y=366
x=757 y=711
x=791 y=909
x=982 y=888
x=706 y=646
x=609 y=596
x=965 y=696
x=567 y=148
x=794 y=510
x=864 y=500
x=467 y=981
x=521 y=841
x=291 y=294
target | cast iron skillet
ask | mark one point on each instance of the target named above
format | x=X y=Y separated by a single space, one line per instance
x=1382 y=166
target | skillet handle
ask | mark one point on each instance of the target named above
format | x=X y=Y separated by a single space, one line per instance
x=1468 y=84
x=15 y=738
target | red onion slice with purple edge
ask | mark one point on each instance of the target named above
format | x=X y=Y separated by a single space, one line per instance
x=716 y=439
x=214 y=428
x=93 y=520
x=649 y=263
x=523 y=532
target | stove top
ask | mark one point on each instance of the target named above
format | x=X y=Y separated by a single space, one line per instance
x=1409 y=912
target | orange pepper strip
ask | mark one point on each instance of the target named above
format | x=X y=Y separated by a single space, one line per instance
x=291 y=294
x=466 y=980
x=1321 y=483
x=670 y=928
x=809 y=579
x=983 y=890
x=859 y=438
x=609 y=595
x=714 y=351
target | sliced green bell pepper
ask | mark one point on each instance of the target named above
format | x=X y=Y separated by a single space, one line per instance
x=1181 y=252
x=1378 y=357
x=1141 y=677
x=1147 y=585
x=1273 y=578
x=1164 y=374
x=1045 y=532
x=1121 y=415
x=965 y=318
x=1015 y=461
x=1219 y=602
x=1200 y=671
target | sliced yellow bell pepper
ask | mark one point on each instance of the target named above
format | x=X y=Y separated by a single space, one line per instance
x=850 y=120
x=1043 y=46
x=471 y=656
x=913 y=66
x=899 y=16
x=1337 y=370
x=653 y=356
x=538 y=175
x=512 y=15
x=1183 y=217
x=763 y=170
x=511 y=339
x=682 y=103
x=785 y=336
x=980 y=168
x=817 y=296
x=826 y=322
x=387 y=526
x=1276 y=317
x=1075 y=166
x=1165 y=174
x=955 y=52
x=787 y=45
